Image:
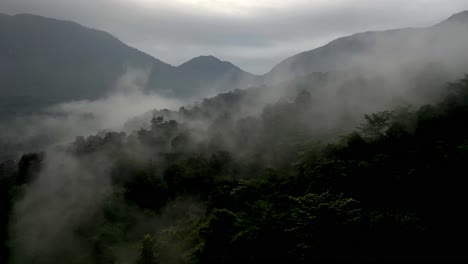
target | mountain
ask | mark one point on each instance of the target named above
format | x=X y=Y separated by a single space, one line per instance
x=354 y=75
x=207 y=67
x=214 y=75
x=45 y=61
x=444 y=45
x=459 y=18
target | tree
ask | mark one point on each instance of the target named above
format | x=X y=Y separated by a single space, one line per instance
x=376 y=124
x=29 y=167
x=147 y=253
x=323 y=224
x=217 y=232
x=157 y=122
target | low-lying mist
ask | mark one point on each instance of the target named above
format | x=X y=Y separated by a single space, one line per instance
x=59 y=124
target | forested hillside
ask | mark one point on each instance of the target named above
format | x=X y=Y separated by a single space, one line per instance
x=203 y=185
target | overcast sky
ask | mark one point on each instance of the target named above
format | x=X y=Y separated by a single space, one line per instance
x=253 y=34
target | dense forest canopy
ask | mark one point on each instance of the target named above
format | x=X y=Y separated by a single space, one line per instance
x=201 y=185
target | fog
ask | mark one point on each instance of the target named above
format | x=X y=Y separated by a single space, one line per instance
x=72 y=194
x=59 y=124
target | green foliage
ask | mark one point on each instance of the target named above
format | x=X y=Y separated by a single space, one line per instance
x=376 y=125
x=147 y=252
x=319 y=222
x=146 y=190
x=193 y=175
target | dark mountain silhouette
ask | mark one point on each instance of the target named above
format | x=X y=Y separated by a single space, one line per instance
x=45 y=61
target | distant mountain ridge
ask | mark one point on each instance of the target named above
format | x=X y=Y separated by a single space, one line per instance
x=45 y=61
x=361 y=50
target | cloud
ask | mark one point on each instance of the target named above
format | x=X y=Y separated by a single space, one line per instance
x=61 y=123
x=127 y=101
x=175 y=31
x=66 y=193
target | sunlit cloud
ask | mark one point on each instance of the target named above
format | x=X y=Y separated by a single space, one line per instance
x=239 y=7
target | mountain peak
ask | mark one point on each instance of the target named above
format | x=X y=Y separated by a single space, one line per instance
x=202 y=69
x=208 y=63
x=204 y=59
x=207 y=57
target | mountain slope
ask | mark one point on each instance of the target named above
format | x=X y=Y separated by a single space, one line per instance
x=458 y=18
x=444 y=44
x=45 y=61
